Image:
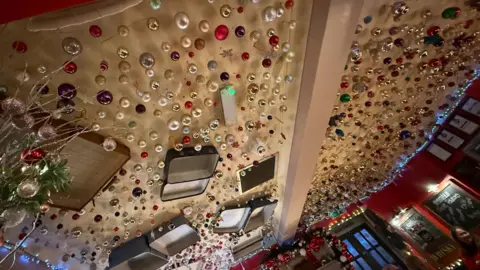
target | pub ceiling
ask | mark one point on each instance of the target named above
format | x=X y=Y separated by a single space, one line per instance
x=408 y=66
x=150 y=78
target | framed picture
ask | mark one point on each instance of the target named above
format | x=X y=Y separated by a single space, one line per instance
x=455 y=206
x=450 y=139
x=473 y=148
x=463 y=124
x=252 y=175
x=437 y=247
x=472 y=106
x=439 y=152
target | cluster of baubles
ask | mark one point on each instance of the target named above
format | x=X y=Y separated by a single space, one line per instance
x=180 y=117
x=397 y=77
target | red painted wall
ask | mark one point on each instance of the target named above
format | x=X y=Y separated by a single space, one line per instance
x=411 y=186
x=15 y=10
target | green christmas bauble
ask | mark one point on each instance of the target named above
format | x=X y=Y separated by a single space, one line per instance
x=345 y=98
x=155 y=4
x=451 y=13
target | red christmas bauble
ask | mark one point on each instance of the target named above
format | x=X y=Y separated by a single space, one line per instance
x=144 y=155
x=221 y=32
x=186 y=140
x=245 y=56
x=70 y=67
x=284 y=258
x=433 y=30
x=266 y=63
x=289 y=4
x=30 y=156
x=19 y=46
x=103 y=66
x=274 y=40
x=270 y=263
x=95 y=31
x=434 y=62
x=188 y=104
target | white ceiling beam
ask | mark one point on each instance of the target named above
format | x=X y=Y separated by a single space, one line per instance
x=332 y=28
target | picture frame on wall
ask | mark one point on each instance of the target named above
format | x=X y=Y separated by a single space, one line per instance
x=438 y=248
x=472 y=106
x=463 y=124
x=439 y=152
x=455 y=206
x=450 y=139
x=472 y=149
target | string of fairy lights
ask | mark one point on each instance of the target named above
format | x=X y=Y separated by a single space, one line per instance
x=26 y=256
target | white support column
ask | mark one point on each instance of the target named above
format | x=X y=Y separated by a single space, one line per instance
x=332 y=30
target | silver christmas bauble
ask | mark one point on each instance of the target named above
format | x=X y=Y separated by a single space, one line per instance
x=13 y=216
x=200 y=79
x=123 y=30
x=13 y=106
x=212 y=86
x=225 y=11
x=198 y=147
x=22 y=76
x=166 y=46
x=124 y=102
x=182 y=20
x=192 y=68
x=100 y=79
x=162 y=101
x=255 y=36
x=197 y=112
x=169 y=74
x=212 y=65
x=153 y=135
x=173 y=124
x=109 y=144
x=124 y=66
x=147 y=60
x=204 y=26
x=269 y=14
x=95 y=127
x=186 y=42
x=149 y=72
x=28 y=188
x=23 y=121
x=46 y=132
x=186 y=120
x=71 y=46
x=41 y=69
x=153 y=24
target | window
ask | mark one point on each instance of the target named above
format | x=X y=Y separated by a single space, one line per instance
x=368 y=251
